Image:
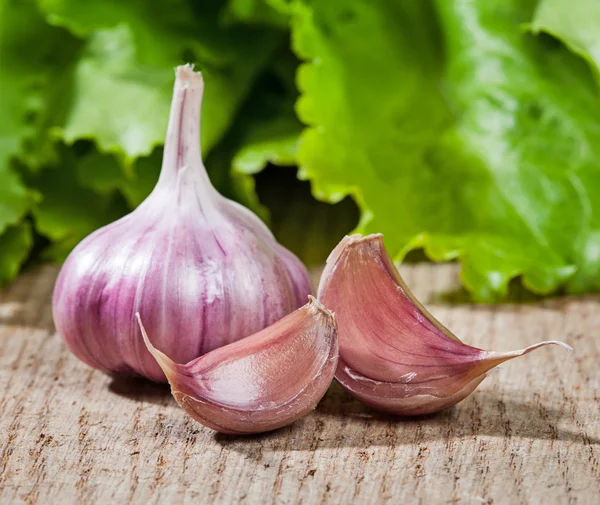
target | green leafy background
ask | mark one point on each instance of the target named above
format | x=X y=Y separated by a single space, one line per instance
x=466 y=128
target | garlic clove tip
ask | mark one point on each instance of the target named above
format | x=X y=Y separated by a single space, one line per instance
x=165 y=363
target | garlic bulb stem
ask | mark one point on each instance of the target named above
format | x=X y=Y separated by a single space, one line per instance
x=182 y=156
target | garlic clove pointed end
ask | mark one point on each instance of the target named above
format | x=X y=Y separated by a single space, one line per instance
x=498 y=357
x=165 y=363
x=559 y=343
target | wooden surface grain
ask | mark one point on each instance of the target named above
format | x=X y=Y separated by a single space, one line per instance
x=529 y=434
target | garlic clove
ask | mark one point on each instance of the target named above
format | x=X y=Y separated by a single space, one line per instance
x=262 y=382
x=394 y=355
x=205 y=270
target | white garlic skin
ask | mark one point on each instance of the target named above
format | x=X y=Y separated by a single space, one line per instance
x=203 y=271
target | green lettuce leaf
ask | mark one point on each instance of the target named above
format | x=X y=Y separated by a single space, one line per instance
x=19 y=98
x=123 y=82
x=15 y=199
x=20 y=101
x=577 y=24
x=119 y=104
x=161 y=29
x=68 y=212
x=273 y=142
x=264 y=173
x=268 y=129
x=15 y=244
x=103 y=174
x=31 y=73
x=135 y=189
x=100 y=172
x=307 y=227
x=481 y=157
x=22 y=110
x=260 y=12
x=370 y=95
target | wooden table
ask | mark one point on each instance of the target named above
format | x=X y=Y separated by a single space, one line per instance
x=529 y=434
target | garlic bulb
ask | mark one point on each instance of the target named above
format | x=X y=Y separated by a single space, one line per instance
x=394 y=355
x=203 y=270
x=262 y=382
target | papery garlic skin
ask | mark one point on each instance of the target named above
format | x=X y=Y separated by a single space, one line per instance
x=394 y=355
x=204 y=270
x=262 y=382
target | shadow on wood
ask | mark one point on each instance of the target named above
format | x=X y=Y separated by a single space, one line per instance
x=483 y=414
x=139 y=389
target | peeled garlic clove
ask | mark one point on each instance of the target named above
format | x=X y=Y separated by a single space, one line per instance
x=262 y=382
x=205 y=270
x=394 y=355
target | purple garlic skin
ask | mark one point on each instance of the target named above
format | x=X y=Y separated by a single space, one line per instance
x=203 y=270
